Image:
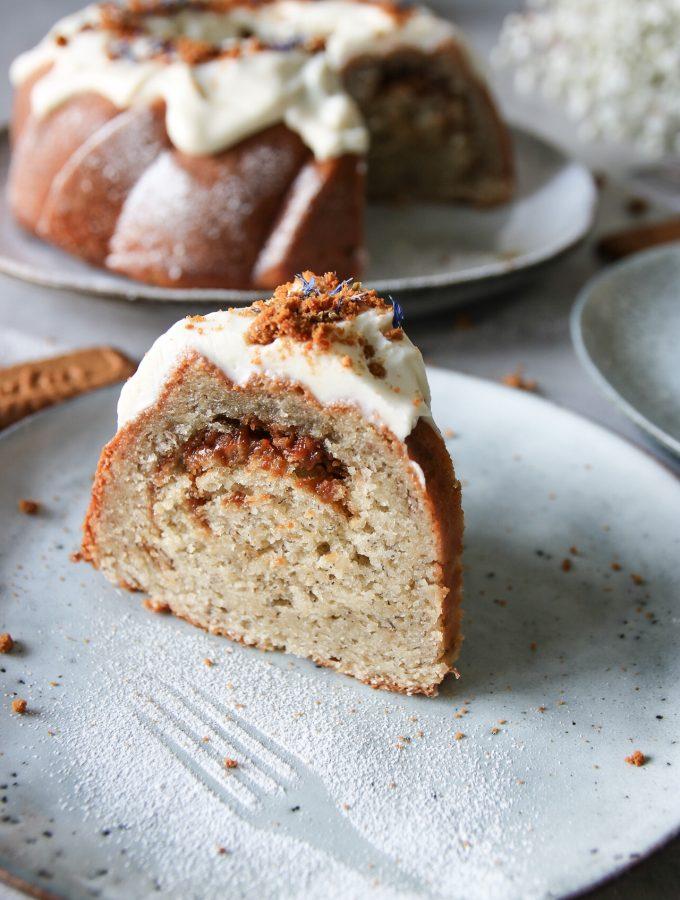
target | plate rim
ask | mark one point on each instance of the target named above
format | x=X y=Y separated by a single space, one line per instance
x=646 y=457
x=473 y=276
x=583 y=298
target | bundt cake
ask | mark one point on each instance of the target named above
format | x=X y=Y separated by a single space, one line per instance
x=277 y=478
x=225 y=143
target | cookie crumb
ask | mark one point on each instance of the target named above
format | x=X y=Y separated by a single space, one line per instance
x=29 y=507
x=636 y=759
x=463 y=322
x=20 y=706
x=6 y=642
x=517 y=380
x=208 y=662
x=458 y=736
x=449 y=433
x=566 y=565
x=636 y=579
x=533 y=646
x=495 y=730
x=230 y=763
x=637 y=206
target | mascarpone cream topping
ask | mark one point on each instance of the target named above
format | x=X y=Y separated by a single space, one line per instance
x=212 y=105
x=395 y=399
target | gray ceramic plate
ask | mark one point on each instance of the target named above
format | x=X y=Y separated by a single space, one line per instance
x=411 y=248
x=342 y=791
x=626 y=330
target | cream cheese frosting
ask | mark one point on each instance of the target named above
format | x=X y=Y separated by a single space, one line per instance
x=212 y=105
x=396 y=399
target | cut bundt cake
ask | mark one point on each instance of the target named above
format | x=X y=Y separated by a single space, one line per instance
x=230 y=143
x=277 y=478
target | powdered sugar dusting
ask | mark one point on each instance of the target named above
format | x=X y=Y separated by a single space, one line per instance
x=430 y=806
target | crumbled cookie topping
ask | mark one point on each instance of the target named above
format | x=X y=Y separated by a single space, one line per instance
x=126 y=22
x=141 y=8
x=309 y=308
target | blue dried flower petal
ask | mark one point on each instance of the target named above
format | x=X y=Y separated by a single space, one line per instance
x=339 y=287
x=307 y=286
x=398 y=317
x=286 y=46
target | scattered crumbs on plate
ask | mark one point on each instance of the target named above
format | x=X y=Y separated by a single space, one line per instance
x=208 y=662
x=19 y=705
x=616 y=567
x=495 y=729
x=230 y=763
x=637 y=758
x=449 y=433
x=458 y=736
x=637 y=206
x=533 y=646
x=636 y=579
x=566 y=565
x=28 y=507
x=6 y=642
x=517 y=380
x=463 y=321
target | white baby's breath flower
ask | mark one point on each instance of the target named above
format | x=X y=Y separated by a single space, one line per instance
x=613 y=64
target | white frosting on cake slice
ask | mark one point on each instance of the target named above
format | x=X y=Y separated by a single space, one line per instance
x=394 y=395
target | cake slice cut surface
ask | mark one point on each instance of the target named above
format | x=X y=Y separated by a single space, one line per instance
x=277 y=478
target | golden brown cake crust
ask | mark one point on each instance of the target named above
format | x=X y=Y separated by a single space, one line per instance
x=427 y=448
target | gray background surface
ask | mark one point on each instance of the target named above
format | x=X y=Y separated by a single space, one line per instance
x=527 y=327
